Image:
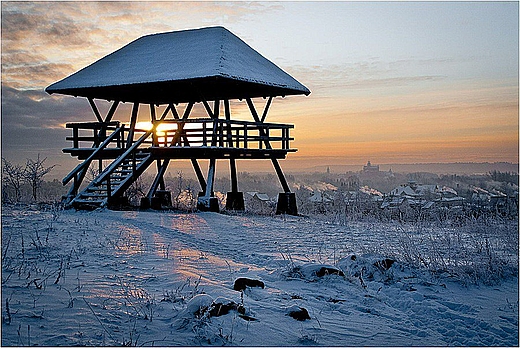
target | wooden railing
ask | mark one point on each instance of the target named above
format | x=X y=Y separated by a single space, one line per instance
x=222 y=133
x=189 y=133
x=95 y=133
x=83 y=165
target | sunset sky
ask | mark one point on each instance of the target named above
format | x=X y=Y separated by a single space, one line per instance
x=391 y=82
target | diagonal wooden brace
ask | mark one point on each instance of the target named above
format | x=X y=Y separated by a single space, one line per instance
x=276 y=165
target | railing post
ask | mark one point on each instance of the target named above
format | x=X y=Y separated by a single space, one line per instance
x=103 y=132
x=75 y=136
x=229 y=133
x=245 y=135
x=204 y=135
x=221 y=134
x=214 y=135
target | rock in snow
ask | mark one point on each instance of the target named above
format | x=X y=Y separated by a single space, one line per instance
x=298 y=313
x=242 y=283
x=199 y=304
x=312 y=270
x=222 y=306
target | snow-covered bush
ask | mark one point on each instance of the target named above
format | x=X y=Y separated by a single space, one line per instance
x=478 y=251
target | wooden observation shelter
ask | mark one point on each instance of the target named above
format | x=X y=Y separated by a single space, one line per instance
x=211 y=66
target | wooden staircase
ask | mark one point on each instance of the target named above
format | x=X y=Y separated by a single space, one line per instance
x=108 y=187
x=112 y=182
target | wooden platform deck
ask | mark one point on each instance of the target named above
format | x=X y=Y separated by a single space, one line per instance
x=182 y=152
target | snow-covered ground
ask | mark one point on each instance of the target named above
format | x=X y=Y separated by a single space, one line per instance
x=159 y=278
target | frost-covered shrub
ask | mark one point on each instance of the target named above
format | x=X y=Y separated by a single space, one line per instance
x=370 y=267
x=479 y=251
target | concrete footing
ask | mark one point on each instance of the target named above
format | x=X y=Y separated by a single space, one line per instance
x=286 y=203
x=161 y=199
x=205 y=203
x=235 y=201
x=118 y=203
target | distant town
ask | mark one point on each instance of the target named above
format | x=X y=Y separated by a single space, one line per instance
x=371 y=192
x=366 y=193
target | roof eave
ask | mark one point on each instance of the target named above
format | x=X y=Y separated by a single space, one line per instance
x=192 y=90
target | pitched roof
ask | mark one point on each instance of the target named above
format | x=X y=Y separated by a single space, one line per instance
x=181 y=66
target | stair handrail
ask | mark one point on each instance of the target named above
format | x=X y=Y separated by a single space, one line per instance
x=103 y=176
x=91 y=157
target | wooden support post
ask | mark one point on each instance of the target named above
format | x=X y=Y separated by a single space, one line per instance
x=264 y=115
x=276 y=165
x=281 y=177
x=227 y=109
x=208 y=108
x=216 y=109
x=214 y=132
x=180 y=129
x=234 y=199
x=211 y=177
x=95 y=109
x=161 y=181
x=221 y=134
x=112 y=111
x=287 y=199
x=133 y=121
x=152 y=113
x=227 y=112
x=207 y=202
x=200 y=176
x=233 y=170
x=161 y=169
x=174 y=111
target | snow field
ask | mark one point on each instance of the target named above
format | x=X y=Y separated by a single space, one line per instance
x=148 y=278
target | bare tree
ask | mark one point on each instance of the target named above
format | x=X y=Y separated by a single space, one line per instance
x=34 y=173
x=13 y=177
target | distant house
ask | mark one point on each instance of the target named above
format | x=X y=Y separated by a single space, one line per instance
x=422 y=197
x=320 y=197
x=489 y=200
x=259 y=203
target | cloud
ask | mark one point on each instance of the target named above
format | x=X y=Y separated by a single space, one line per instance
x=35 y=109
x=46 y=41
x=21 y=26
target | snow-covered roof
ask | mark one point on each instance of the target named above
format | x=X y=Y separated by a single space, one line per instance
x=190 y=65
x=258 y=195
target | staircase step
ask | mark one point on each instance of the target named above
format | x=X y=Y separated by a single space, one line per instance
x=95 y=192
x=89 y=201
x=117 y=177
x=93 y=195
